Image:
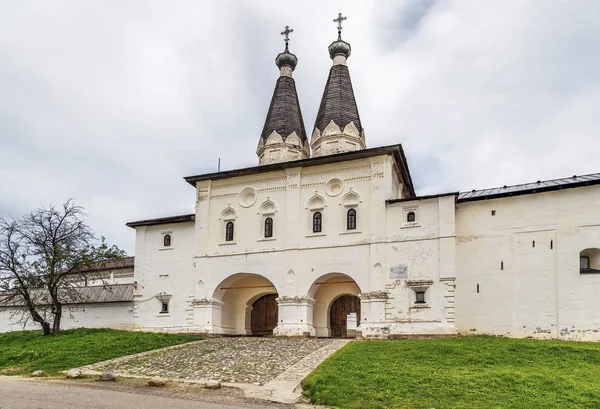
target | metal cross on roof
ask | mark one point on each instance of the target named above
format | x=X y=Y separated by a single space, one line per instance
x=339 y=20
x=286 y=34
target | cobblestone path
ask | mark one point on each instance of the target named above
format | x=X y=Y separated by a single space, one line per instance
x=239 y=360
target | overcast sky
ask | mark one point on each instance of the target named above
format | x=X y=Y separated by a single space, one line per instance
x=112 y=103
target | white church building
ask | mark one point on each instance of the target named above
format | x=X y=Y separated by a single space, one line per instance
x=328 y=238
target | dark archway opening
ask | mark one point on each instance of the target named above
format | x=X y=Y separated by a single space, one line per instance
x=265 y=312
x=344 y=310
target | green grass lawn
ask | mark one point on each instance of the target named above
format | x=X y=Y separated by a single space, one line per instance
x=26 y=351
x=465 y=372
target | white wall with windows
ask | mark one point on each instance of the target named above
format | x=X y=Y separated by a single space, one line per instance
x=519 y=267
x=164 y=271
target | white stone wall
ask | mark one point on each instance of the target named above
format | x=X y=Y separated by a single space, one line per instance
x=295 y=258
x=109 y=315
x=526 y=290
x=164 y=273
x=420 y=257
x=480 y=273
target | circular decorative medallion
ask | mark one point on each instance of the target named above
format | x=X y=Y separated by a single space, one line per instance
x=334 y=187
x=247 y=197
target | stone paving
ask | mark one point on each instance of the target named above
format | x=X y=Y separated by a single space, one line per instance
x=232 y=360
x=285 y=387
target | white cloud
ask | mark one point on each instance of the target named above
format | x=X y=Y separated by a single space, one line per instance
x=113 y=102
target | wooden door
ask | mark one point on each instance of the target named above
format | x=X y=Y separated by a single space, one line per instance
x=263 y=319
x=338 y=315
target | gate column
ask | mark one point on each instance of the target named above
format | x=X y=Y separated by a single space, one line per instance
x=295 y=317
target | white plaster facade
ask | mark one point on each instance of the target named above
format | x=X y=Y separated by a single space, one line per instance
x=519 y=270
x=506 y=266
x=450 y=251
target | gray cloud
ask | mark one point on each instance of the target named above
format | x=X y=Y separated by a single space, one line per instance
x=113 y=102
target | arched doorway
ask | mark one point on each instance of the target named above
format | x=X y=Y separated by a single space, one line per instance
x=326 y=290
x=344 y=316
x=247 y=299
x=264 y=315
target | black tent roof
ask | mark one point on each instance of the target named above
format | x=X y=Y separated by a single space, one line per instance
x=338 y=103
x=284 y=114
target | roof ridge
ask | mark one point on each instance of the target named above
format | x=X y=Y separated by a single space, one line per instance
x=531 y=187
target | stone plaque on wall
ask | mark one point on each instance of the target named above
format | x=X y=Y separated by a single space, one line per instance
x=398 y=272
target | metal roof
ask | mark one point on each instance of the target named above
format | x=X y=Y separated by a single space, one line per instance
x=395 y=150
x=81 y=295
x=163 y=220
x=528 y=188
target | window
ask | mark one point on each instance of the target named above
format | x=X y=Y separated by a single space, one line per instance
x=269 y=227
x=411 y=217
x=589 y=261
x=584 y=262
x=351 y=219
x=229 y=231
x=164 y=307
x=420 y=297
x=317 y=222
x=167 y=240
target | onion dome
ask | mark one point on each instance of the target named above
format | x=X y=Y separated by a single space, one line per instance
x=286 y=58
x=339 y=47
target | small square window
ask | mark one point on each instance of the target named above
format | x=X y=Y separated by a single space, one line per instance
x=164 y=307
x=584 y=262
x=420 y=297
x=493 y=212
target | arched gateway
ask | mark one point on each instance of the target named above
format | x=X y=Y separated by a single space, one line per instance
x=344 y=316
x=249 y=305
x=336 y=312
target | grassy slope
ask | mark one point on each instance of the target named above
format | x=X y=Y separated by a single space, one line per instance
x=25 y=351
x=469 y=372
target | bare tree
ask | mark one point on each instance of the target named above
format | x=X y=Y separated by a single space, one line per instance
x=43 y=256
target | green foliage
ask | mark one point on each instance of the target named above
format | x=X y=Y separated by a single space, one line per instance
x=26 y=351
x=465 y=372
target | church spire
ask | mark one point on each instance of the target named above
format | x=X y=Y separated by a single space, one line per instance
x=283 y=137
x=338 y=127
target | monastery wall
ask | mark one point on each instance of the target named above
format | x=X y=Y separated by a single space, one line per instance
x=164 y=274
x=518 y=271
x=109 y=315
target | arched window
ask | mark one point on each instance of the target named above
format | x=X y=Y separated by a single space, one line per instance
x=317 y=222
x=167 y=240
x=411 y=217
x=351 y=219
x=269 y=227
x=229 y=231
x=589 y=261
